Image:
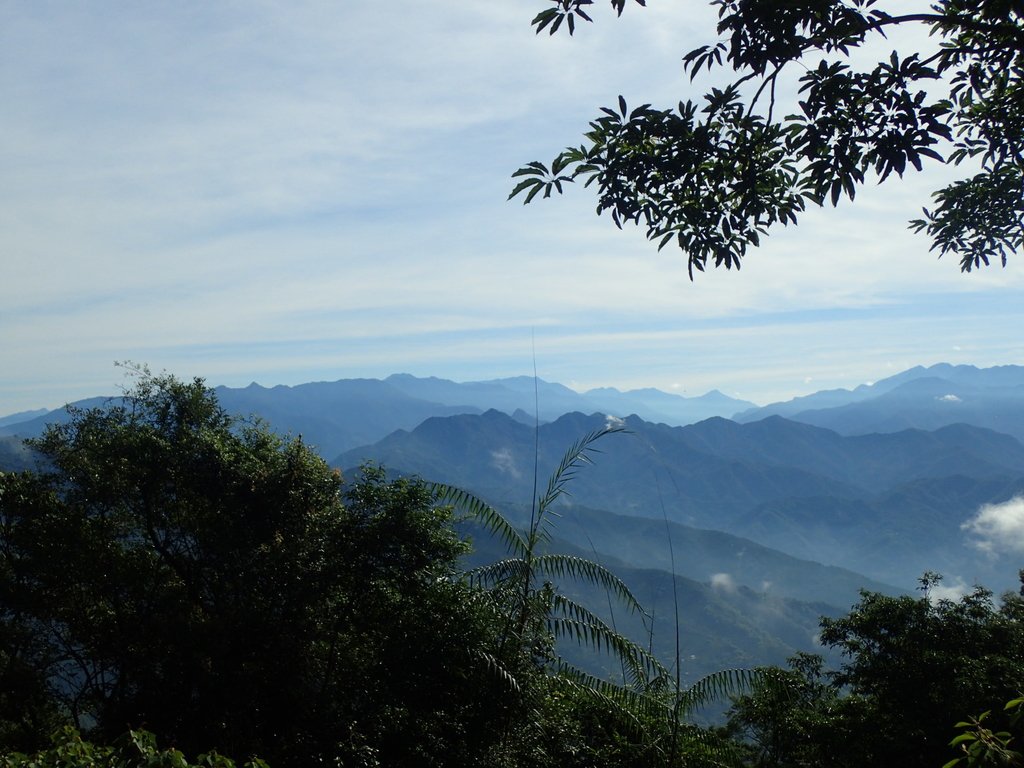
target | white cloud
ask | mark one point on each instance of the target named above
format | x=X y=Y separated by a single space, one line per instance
x=504 y=461
x=723 y=582
x=944 y=591
x=999 y=528
x=613 y=422
x=949 y=399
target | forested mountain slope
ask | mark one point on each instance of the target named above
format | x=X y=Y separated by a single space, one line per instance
x=889 y=505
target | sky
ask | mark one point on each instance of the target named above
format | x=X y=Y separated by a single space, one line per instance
x=308 y=191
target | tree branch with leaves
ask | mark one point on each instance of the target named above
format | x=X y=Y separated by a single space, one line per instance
x=715 y=174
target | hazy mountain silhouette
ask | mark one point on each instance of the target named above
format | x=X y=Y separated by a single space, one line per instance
x=889 y=505
x=339 y=415
x=922 y=398
x=773 y=521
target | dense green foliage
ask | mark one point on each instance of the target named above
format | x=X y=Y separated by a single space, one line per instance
x=979 y=744
x=914 y=668
x=134 y=749
x=715 y=174
x=182 y=570
x=172 y=568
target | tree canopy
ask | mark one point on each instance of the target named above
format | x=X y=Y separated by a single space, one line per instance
x=171 y=567
x=176 y=568
x=913 y=667
x=134 y=749
x=714 y=174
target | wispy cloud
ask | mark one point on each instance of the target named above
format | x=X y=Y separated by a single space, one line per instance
x=504 y=461
x=723 y=582
x=318 y=189
x=998 y=528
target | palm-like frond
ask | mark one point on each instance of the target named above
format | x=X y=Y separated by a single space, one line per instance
x=580 y=623
x=499 y=572
x=572 y=460
x=701 y=746
x=572 y=566
x=484 y=513
x=536 y=615
x=631 y=704
x=522 y=587
x=597 y=636
x=513 y=580
x=499 y=671
x=726 y=682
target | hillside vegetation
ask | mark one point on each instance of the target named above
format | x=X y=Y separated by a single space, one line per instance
x=171 y=567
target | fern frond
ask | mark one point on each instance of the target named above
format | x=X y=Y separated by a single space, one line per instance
x=698 y=745
x=484 y=513
x=498 y=572
x=717 y=685
x=499 y=671
x=561 y=566
x=572 y=460
x=629 y=703
x=579 y=624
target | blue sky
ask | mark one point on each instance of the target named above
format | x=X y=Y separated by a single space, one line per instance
x=287 y=192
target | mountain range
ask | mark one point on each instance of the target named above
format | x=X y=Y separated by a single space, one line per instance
x=339 y=415
x=921 y=398
x=762 y=522
x=887 y=505
x=344 y=414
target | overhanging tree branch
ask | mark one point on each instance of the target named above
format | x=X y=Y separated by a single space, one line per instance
x=714 y=175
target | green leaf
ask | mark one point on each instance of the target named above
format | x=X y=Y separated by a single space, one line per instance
x=533 y=192
x=962 y=738
x=521 y=186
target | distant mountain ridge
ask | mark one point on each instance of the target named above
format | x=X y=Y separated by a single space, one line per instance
x=774 y=518
x=550 y=400
x=17 y=418
x=921 y=398
x=339 y=415
x=997 y=376
x=336 y=416
x=889 y=505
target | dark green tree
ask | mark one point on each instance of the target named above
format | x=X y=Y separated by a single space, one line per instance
x=179 y=569
x=791 y=717
x=714 y=174
x=175 y=568
x=913 y=668
x=921 y=664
